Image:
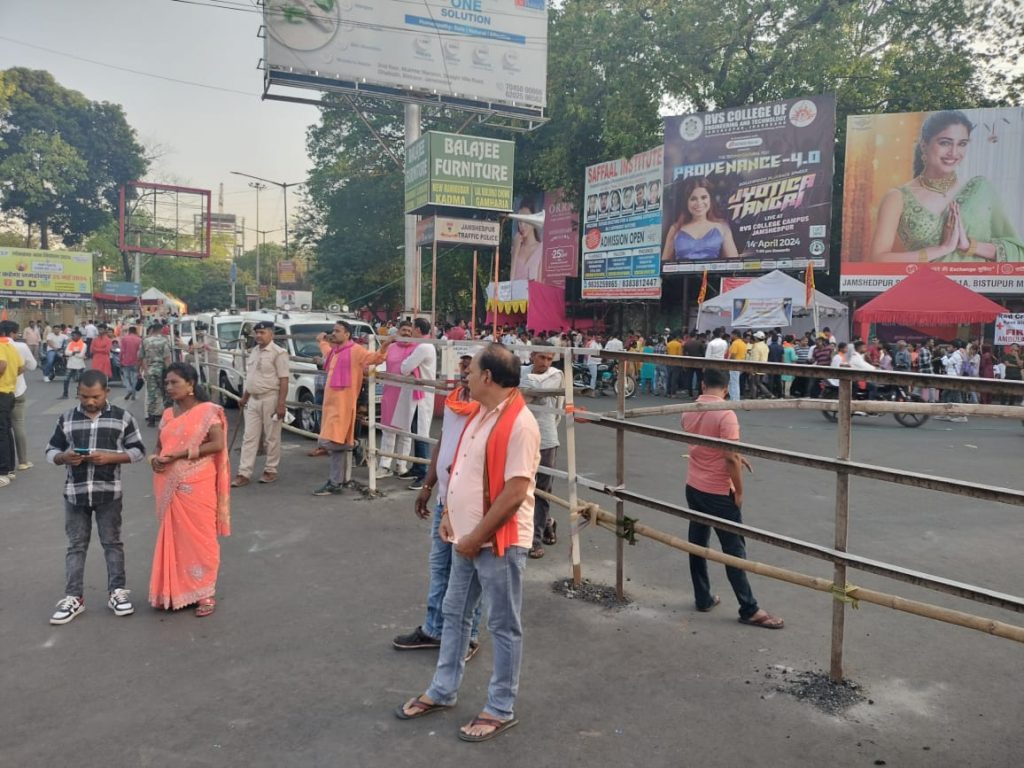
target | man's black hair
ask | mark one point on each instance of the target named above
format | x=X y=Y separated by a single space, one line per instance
x=713 y=377
x=503 y=364
x=422 y=325
x=92 y=377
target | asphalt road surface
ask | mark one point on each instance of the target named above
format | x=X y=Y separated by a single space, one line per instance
x=296 y=666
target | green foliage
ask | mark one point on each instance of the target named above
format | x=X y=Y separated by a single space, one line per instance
x=46 y=125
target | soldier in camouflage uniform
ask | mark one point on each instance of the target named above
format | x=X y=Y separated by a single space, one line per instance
x=154 y=359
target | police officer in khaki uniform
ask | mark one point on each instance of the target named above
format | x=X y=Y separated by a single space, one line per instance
x=263 y=404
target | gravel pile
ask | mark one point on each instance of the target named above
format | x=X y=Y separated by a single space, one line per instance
x=817 y=688
x=590 y=593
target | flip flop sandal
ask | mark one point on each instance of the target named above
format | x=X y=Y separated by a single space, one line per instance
x=500 y=726
x=714 y=604
x=422 y=709
x=550 y=536
x=765 y=622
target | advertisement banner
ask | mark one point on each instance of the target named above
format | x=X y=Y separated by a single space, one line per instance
x=1009 y=329
x=287 y=272
x=454 y=171
x=749 y=189
x=762 y=313
x=486 y=51
x=26 y=273
x=561 y=239
x=728 y=283
x=286 y=299
x=939 y=188
x=622 y=228
x=451 y=231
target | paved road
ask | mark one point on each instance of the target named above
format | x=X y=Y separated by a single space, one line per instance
x=296 y=668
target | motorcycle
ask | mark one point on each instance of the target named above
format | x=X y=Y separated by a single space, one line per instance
x=893 y=393
x=607 y=378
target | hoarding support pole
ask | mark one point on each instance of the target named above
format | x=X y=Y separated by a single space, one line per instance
x=841 y=530
x=433 y=285
x=494 y=311
x=570 y=468
x=472 y=318
x=412 y=133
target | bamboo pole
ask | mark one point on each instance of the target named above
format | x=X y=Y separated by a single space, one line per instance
x=494 y=311
x=813 y=404
x=570 y=465
x=433 y=285
x=620 y=481
x=926 y=610
x=472 y=317
x=371 y=416
x=842 y=525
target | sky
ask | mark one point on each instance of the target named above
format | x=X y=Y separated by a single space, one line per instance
x=204 y=134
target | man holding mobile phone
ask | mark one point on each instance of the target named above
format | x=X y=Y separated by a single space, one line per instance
x=92 y=440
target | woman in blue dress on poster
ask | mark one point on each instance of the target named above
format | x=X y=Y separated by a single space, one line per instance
x=701 y=232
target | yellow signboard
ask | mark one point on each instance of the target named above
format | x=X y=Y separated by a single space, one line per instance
x=26 y=273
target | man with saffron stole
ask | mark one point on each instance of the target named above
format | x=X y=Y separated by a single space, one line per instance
x=488 y=518
x=344 y=363
x=192 y=486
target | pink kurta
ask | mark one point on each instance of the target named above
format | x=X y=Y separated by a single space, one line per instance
x=397 y=352
x=337 y=423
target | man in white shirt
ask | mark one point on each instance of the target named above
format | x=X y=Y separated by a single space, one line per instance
x=718 y=346
x=614 y=343
x=55 y=341
x=422 y=363
x=953 y=361
x=592 y=359
x=540 y=374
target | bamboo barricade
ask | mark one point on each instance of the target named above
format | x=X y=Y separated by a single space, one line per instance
x=843 y=468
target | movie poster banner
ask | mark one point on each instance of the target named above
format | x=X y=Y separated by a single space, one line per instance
x=749 y=189
x=622 y=228
x=546 y=251
x=944 y=189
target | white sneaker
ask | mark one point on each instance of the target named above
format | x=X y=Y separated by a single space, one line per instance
x=67 y=609
x=119 y=602
x=25 y=465
x=383 y=474
x=4 y=482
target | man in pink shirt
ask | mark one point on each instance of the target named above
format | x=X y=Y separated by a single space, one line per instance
x=130 y=344
x=714 y=486
x=488 y=518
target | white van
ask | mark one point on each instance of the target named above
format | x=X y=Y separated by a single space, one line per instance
x=296 y=332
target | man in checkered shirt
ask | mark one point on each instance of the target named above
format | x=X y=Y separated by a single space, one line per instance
x=93 y=440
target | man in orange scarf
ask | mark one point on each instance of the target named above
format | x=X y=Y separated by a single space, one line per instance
x=488 y=518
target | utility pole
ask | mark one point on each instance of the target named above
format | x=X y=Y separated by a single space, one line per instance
x=284 y=188
x=258 y=187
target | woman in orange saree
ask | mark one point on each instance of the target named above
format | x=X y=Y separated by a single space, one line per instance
x=191 y=485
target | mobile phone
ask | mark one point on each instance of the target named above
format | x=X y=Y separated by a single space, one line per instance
x=83 y=451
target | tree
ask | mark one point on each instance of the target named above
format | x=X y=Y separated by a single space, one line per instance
x=46 y=124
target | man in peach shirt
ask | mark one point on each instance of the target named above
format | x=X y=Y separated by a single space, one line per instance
x=488 y=518
x=714 y=486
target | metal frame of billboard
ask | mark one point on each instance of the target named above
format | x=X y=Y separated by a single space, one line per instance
x=178 y=224
x=512 y=118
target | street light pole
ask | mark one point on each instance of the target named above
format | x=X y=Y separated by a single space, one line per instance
x=258 y=187
x=284 y=188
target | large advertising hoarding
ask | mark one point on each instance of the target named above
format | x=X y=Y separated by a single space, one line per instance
x=939 y=188
x=486 y=51
x=26 y=273
x=549 y=252
x=749 y=189
x=622 y=228
x=454 y=171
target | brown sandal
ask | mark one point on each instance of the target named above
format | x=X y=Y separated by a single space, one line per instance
x=205 y=607
x=420 y=708
x=765 y=620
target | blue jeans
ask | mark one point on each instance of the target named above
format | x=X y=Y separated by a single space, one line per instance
x=78 y=527
x=130 y=375
x=500 y=581
x=440 y=570
x=732 y=544
x=420 y=449
x=734 y=385
x=48 y=362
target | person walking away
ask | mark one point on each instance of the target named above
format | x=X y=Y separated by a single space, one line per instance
x=986 y=370
x=714 y=486
x=954 y=362
x=93 y=440
x=674 y=348
x=737 y=351
x=263 y=405
x=396 y=405
x=422 y=364
x=648 y=371
x=11 y=367
x=789 y=357
x=693 y=347
x=100 y=349
x=759 y=353
x=458 y=407
x=10 y=330
x=542 y=375
x=32 y=337
x=130 y=343
x=156 y=357
x=489 y=519
x=74 y=352
x=191 y=485
x=344 y=363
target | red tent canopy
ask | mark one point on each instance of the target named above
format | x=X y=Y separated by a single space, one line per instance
x=928 y=298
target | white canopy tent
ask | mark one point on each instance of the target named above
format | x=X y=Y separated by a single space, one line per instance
x=717 y=311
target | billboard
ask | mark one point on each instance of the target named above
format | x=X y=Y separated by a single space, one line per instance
x=459 y=51
x=749 y=189
x=287 y=272
x=622 y=228
x=453 y=171
x=288 y=299
x=545 y=250
x=26 y=273
x=942 y=188
x=448 y=230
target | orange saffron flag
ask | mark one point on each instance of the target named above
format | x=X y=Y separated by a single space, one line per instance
x=809 y=284
x=703 y=288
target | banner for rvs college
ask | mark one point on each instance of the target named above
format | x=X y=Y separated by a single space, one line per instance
x=622 y=228
x=749 y=188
